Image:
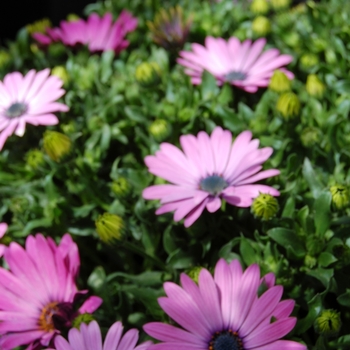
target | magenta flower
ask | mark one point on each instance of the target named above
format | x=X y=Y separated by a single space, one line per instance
x=225 y=312
x=89 y=337
x=38 y=292
x=3 y=229
x=28 y=99
x=241 y=64
x=208 y=169
x=99 y=34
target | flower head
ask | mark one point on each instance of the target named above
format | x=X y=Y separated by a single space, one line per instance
x=3 y=229
x=265 y=206
x=209 y=168
x=28 y=99
x=56 y=145
x=89 y=337
x=225 y=312
x=38 y=292
x=241 y=64
x=328 y=322
x=98 y=33
x=170 y=29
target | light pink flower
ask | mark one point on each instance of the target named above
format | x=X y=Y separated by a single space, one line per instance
x=89 y=337
x=28 y=99
x=224 y=312
x=244 y=65
x=99 y=34
x=209 y=168
x=39 y=292
x=3 y=229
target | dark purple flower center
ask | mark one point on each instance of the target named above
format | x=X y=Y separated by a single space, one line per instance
x=226 y=340
x=213 y=184
x=235 y=76
x=16 y=110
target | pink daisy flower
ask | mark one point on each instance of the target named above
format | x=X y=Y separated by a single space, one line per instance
x=244 y=65
x=3 y=229
x=28 y=99
x=209 y=168
x=225 y=312
x=99 y=34
x=38 y=292
x=89 y=337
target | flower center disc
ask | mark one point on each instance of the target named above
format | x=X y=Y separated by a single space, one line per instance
x=235 y=76
x=45 y=319
x=226 y=340
x=16 y=110
x=213 y=184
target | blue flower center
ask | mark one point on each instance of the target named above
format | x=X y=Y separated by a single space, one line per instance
x=226 y=340
x=235 y=76
x=16 y=110
x=213 y=184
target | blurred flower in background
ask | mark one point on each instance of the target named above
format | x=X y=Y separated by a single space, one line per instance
x=28 y=99
x=209 y=168
x=39 y=292
x=3 y=229
x=89 y=337
x=98 y=33
x=243 y=65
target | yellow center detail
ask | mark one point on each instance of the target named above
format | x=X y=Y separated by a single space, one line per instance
x=45 y=319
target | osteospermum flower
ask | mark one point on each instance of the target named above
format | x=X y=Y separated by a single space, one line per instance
x=225 y=312
x=98 y=33
x=89 y=337
x=244 y=65
x=3 y=229
x=28 y=99
x=38 y=292
x=209 y=168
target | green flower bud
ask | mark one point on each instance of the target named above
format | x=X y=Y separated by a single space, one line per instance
x=330 y=56
x=314 y=86
x=82 y=318
x=34 y=158
x=4 y=58
x=121 y=187
x=288 y=105
x=265 y=206
x=110 y=227
x=328 y=323
x=56 y=145
x=261 y=26
x=280 y=4
x=292 y=39
x=279 y=82
x=340 y=196
x=160 y=129
x=259 y=6
x=194 y=273
x=310 y=261
x=310 y=136
x=34 y=48
x=60 y=72
x=72 y=17
x=39 y=26
x=308 y=60
x=148 y=74
x=284 y=19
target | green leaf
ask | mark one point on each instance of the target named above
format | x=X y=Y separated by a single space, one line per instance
x=311 y=178
x=326 y=259
x=289 y=208
x=322 y=207
x=323 y=275
x=288 y=239
x=344 y=299
x=248 y=253
x=209 y=88
x=97 y=278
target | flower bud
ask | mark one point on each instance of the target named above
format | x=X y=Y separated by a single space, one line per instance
x=314 y=86
x=34 y=158
x=82 y=318
x=60 y=72
x=265 y=206
x=340 y=196
x=56 y=145
x=288 y=105
x=39 y=26
x=310 y=136
x=280 y=4
x=259 y=7
x=308 y=60
x=310 y=261
x=160 y=129
x=328 y=323
x=194 y=273
x=110 y=227
x=72 y=17
x=4 y=58
x=148 y=74
x=279 y=82
x=261 y=26
x=121 y=187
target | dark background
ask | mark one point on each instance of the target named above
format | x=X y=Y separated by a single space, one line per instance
x=15 y=14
